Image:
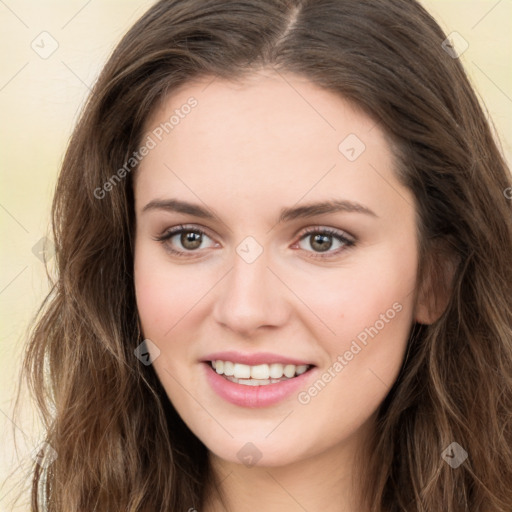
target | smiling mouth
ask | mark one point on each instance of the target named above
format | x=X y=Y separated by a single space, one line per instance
x=258 y=375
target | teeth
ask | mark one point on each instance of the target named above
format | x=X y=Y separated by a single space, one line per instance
x=242 y=371
x=255 y=382
x=301 y=369
x=229 y=368
x=276 y=370
x=260 y=372
x=289 y=370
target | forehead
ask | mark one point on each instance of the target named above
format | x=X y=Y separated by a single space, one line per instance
x=270 y=107
x=269 y=130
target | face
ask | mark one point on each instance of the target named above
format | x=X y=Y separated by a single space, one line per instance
x=263 y=279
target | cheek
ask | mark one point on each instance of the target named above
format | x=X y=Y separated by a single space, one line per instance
x=370 y=308
x=364 y=292
x=378 y=316
x=372 y=321
x=163 y=297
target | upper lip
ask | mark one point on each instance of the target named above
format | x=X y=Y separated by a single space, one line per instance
x=254 y=359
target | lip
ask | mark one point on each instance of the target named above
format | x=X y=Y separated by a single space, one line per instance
x=254 y=359
x=255 y=396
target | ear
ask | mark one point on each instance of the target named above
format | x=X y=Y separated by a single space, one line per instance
x=436 y=285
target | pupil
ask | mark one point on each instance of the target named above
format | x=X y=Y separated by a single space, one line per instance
x=321 y=239
x=191 y=237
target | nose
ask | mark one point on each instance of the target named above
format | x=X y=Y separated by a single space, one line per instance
x=251 y=297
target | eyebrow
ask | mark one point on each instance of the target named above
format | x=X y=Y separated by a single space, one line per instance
x=286 y=214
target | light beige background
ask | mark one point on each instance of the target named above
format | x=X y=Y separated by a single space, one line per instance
x=39 y=103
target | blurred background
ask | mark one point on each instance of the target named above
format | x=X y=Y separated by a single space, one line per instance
x=52 y=52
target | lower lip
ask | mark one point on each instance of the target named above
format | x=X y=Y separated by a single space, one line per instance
x=254 y=396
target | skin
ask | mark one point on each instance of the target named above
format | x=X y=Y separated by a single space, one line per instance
x=246 y=151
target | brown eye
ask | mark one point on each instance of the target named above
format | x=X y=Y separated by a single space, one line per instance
x=183 y=241
x=191 y=240
x=321 y=240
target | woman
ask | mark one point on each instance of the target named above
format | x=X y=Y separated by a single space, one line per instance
x=207 y=346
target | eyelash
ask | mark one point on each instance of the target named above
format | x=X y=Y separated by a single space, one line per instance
x=347 y=243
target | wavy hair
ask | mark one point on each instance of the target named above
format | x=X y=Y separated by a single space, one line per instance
x=120 y=443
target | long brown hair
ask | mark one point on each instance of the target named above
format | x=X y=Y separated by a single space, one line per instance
x=120 y=443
